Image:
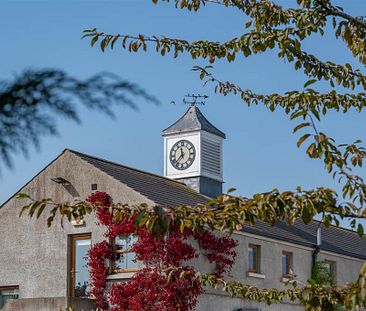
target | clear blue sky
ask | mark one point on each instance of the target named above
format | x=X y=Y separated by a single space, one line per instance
x=260 y=152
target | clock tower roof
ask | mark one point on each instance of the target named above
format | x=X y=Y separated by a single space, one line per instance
x=192 y=120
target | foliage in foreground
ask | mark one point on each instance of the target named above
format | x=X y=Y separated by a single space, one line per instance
x=320 y=274
x=29 y=103
x=268 y=26
x=168 y=281
x=223 y=214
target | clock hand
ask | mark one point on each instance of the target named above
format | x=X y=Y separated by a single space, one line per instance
x=181 y=153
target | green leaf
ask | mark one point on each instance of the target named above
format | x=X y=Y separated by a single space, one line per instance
x=310 y=82
x=94 y=40
x=87 y=35
x=181 y=227
x=297 y=114
x=248 y=24
x=24 y=208
x=302 y=139
x=49 y=221
x=360 y=230
x=141 y=219
x=22 y=196
x=315 y=113
x=114 y=41
x=300 y=126
x=40 y=210
x=150 y=224
x=90 y=30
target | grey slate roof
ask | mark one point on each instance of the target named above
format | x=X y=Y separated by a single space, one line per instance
x=192 y=120
x=164 y=191
x=161 y=190
x=334 y=239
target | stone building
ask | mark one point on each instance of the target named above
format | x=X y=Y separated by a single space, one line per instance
x=42 y=269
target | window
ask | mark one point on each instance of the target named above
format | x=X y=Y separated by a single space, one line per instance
x=332 y=269
x=79 y=274
x=287 y=263
x=8 y=292
x=254 y=258
x=125 y=261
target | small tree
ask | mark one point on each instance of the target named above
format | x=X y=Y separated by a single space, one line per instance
x=320 y=274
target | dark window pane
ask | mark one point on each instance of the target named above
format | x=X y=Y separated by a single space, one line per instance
x=253 y=258
x=327 y=266
x=120 y=242
x=287 y=263
x=121 y=263
x=6 y=294
x=126 y=260
x=82 y=274
x=284 y=264
x=330 y=266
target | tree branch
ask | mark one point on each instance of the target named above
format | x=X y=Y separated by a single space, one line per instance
x=333 y=11
x=253 y=42
x=29 y=102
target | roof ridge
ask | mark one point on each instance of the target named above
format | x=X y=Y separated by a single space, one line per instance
x=133 y=169
x=201 y=115
x=33 y=178
x=184 y=185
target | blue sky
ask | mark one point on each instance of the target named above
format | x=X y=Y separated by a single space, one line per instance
x=260 y=152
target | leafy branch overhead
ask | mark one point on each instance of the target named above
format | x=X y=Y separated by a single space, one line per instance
x=312 y=296
x=225 y=214
x=269 y=26
x=29 y=102
x=339 y=159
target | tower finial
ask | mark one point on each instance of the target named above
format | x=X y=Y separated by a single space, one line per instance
x=194 y=99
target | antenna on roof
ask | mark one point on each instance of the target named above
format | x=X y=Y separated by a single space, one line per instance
x=194 y=99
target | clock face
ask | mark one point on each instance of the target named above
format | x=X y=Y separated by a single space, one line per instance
x=182 y=154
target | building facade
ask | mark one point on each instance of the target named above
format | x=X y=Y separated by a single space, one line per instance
x=43 y=268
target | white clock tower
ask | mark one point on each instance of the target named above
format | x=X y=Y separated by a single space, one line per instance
x=193 y=153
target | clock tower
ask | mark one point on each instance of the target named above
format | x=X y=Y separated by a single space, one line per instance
x=193 y=153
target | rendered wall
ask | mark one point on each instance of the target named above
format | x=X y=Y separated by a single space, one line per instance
x=35 y=257
x=49 y=304
x=271 y=251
